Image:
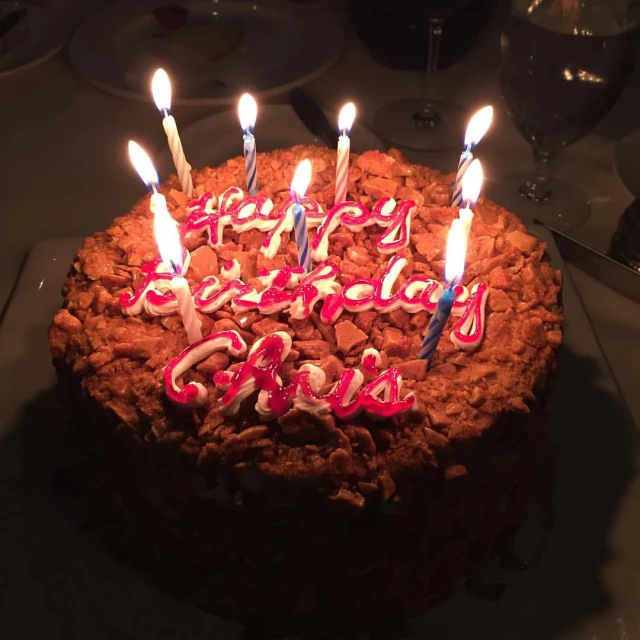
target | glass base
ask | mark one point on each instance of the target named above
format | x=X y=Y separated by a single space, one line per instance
x=566 y=207
x=405 y=123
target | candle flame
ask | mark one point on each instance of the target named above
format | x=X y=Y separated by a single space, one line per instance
x=478 y=126
x=142 y=164
x=165 y=230
x=456 y=253
x=247 y=112
x=301 y=179
x=346 y=117
x=472 y=183
x=161 y=90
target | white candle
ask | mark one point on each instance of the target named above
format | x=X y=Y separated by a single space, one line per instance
x=345 y=122
x=466 y=217
x=247 y=113
x=187 y=309
x=165 y=230
x=471 y=186
x=161 y=90
x=166 y=233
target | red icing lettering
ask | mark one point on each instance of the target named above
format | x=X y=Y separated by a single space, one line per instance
x=261 y=372
x=194 y=394
x=468 y=331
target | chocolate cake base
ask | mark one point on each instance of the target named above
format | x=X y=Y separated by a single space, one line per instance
x=299 y=562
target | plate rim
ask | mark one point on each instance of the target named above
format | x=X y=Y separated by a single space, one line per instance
x=78 y=61
x=55 y=44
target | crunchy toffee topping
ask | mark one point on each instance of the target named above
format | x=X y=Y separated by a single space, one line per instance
x=120 y=358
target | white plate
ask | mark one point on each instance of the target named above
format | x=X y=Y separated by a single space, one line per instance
x=213 y=50
x=39 y=35
x=215 y=139
x=59 y=582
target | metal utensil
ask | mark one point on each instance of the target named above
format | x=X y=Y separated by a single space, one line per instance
x=313 y=117
x=610 y=272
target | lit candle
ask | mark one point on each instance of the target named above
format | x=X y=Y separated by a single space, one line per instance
x=161 y=90
x=167 y=237
x=247 y=112
x=299 y=186
x=453 y=270
x=477 y=127
x=471 y=185
x=345 y=122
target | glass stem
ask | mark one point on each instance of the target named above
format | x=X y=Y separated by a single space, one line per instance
x=537 y=188
x=428 y=115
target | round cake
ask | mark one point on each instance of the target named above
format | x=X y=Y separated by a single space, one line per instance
x=302 y=463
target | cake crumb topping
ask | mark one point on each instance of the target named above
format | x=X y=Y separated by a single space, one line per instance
x=120 y=358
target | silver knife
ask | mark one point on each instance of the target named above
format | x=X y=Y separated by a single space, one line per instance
x=610 y=272
x=313 y=117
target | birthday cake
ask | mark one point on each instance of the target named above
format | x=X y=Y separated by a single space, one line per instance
x=301 y=461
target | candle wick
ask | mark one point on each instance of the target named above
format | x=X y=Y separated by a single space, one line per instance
x=154 y=188
x=166 y=112
x=453 y=283
x=174 y=266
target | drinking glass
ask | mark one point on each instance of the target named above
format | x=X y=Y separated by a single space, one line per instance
x=564 y=64
x=426 y=123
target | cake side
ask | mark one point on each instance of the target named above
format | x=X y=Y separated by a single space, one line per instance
x=443 y=484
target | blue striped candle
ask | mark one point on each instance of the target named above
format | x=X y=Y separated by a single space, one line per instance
x=436 y=326
x=477 y=127
x=302 y=237
x=299 y=186
x=453 y=271
x=250 y=163
x=466 y=158
x=247 y=113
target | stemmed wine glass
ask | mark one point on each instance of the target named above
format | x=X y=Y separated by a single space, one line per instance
x=425 y=123
x=564 y=64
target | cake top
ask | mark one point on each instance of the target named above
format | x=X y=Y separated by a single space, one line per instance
x=129 y=362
